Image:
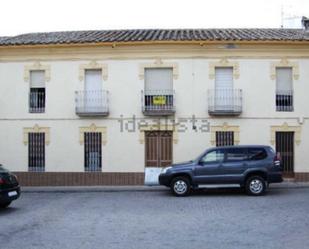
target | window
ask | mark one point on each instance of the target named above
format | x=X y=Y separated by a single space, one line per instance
x=93 y=151
x=37 y=91
x=158 y=88
x=36 y=152
x=256 y=154
x=236 y=154
x=224 y=88
x=224 y=138
x=284 y=92
x=213 y=156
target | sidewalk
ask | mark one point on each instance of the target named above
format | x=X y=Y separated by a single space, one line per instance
x=284 y=185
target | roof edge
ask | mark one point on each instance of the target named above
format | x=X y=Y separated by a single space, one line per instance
x=141 y=43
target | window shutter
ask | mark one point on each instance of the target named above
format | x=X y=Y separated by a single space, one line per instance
x=37 y=79
x=158 y=79
x=93 y=80
x=284 y=79
x=224 y=78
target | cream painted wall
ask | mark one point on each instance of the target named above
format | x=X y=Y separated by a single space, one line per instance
x=123 y=152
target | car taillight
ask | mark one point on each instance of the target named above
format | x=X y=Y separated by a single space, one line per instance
x=1 y=181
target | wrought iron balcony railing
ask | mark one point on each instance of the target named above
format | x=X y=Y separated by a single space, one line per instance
x=225 y=102
x=91 y=103
x=37 y=100
x=158 y=102
x=284 y=101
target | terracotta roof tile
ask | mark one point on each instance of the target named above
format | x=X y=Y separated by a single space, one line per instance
x=139 y=35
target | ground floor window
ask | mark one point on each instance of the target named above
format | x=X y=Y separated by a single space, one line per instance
x=224 y=138
x=36 y=152
x=93 y=151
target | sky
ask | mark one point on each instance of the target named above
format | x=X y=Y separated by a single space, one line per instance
x=24 y=16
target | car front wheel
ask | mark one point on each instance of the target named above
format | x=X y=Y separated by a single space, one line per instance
x=180 y=186
x=255 y=185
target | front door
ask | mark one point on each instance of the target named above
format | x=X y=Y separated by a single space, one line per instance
x=285 y=146
x=158 y=149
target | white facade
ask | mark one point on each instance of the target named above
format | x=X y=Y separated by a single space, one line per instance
x=122 y=78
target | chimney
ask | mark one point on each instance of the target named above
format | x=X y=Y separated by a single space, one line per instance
x=305 y=23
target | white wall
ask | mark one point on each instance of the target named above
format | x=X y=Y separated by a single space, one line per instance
x=123 y=151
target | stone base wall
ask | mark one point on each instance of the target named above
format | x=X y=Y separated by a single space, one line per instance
x=79 y=178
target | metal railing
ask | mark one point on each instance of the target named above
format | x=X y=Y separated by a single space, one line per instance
x=284 y=101
x=36 y=152
x=225 y=101
x=91 y=103
x=93 y=151
x=161 y=102
x=36 y=101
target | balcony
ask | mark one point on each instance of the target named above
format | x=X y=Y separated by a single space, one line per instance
x=158 y=102
x=37 y=100
x=284 y=101
x=225 y=102
x=91 y=103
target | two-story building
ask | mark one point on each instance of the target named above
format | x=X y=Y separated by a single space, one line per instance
x=104 y=107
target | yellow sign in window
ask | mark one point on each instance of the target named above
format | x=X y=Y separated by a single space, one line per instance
x=159 y=100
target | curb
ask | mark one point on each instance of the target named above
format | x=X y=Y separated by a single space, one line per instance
x=80 y=189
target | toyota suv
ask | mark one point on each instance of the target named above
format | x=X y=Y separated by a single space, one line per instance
x=250 y=167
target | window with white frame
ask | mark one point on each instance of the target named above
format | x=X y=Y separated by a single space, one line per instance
x=158 y=93
x=284 y=89
x=37 y=93
x=224 y=88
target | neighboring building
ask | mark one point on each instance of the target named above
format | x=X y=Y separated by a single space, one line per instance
x=68 y=100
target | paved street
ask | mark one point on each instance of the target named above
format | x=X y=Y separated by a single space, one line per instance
x=155 y=219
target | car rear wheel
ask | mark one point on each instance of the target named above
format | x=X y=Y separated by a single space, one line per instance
x=180 y=186
x=5 y=204
x=255 y=185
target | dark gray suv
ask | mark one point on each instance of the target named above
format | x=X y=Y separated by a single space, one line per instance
x=250 y=167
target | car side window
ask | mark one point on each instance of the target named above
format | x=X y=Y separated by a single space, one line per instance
x=213 y=156
x=256 y=154
x=236 y=154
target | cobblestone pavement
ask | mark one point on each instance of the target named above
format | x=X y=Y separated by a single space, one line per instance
x=155 y=219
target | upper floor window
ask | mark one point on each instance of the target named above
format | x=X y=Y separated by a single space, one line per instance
x=224 y=89
x=224 y=99
x=37 y=91
x=93 y=100
x=159 y=93
x=284 y=89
